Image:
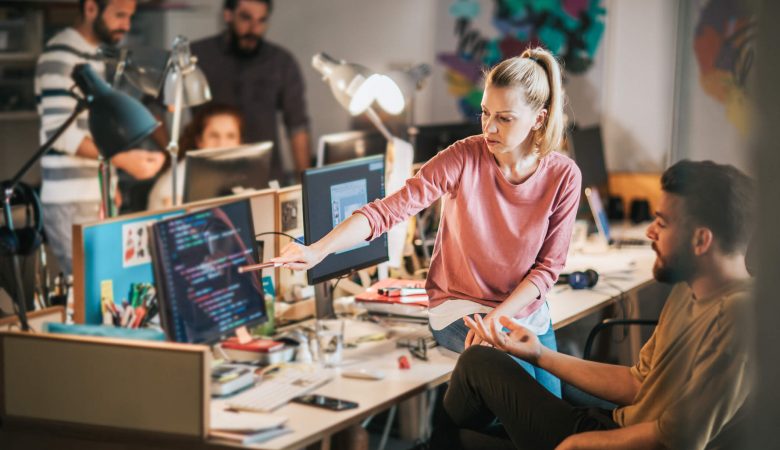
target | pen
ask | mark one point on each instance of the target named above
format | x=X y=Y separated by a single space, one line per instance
x=253 y=267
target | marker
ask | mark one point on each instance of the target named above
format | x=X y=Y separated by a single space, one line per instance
x=253 y=267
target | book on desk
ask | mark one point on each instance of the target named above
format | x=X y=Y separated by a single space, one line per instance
x=246 y=428
x=415 y=305
x=396 y=291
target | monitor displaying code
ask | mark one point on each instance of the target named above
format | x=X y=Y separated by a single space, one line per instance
x=197 y=257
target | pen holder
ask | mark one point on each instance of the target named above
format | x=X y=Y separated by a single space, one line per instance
x=268 y=328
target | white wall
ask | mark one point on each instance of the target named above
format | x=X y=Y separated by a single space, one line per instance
x=703 y=129
x=377 y=34
x=638 y=94
x=629 y=88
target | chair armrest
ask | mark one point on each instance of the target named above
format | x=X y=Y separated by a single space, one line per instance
x=608 y=323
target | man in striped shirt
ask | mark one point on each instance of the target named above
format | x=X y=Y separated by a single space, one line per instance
x=70 y=191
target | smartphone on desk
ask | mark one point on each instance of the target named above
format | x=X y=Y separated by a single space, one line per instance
x=322 y=401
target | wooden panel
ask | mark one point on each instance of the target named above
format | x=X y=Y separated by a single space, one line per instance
x=289 y=202
x=79 y=276
x=633 y=186
x=115 y=384
x=264 y=218
x=36 y=319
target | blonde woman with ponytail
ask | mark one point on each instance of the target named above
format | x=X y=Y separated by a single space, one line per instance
x=510 y=204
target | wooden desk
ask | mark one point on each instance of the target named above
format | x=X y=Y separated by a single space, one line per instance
x=625 y=271
x=622 y=273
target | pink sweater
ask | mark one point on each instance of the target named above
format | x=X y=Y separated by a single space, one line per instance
x=493 y=234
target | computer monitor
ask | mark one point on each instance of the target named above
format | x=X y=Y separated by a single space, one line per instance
x=196 y=258
x=431 y=139
x=213 y=173
x=330 y=195
x=587 y=148
x=340 y=147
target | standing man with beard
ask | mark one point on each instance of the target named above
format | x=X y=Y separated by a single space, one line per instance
x=70 y=191
x=259 y=78
x=689 y=388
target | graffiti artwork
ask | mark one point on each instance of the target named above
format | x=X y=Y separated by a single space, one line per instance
x=570 y=29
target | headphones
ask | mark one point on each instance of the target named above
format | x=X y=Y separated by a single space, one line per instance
x=27 y=239
x=579 y=280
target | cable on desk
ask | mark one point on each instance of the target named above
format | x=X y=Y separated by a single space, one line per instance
x=624 y=313
x=295 y=239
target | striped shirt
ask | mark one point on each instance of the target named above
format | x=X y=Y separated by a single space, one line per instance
x=67 y=178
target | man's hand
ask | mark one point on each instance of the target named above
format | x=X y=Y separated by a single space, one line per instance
x=519 y=341
x=140 y=164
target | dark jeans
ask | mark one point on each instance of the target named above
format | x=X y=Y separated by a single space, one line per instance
x=489 y=387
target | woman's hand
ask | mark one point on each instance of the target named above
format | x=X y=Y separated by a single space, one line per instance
x=474 y=337
x=519 y=341
x=299 y=257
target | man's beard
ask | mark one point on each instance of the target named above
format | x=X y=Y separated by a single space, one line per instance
x=104 y=34
x=676 y=267
x=245 y=51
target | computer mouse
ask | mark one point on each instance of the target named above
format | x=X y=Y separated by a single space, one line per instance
x=363 y=374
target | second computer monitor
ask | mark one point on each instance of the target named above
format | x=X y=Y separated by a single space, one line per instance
x=196 y=258
x=431 y=139
x=330 y=195
x=588 y=150
x=340 y=147
x=213 y=173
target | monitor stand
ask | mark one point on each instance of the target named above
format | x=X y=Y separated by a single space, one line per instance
x=323 y=301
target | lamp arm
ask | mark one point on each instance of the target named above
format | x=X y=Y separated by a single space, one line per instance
x=374 y=118
x=173 y=145
x=8 y=192
x=80 y=107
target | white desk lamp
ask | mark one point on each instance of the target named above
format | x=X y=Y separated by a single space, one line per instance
x=356 y=88
x=185 y=86
x=410 y=81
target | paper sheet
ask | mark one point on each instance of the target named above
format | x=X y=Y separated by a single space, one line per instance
x=238 y=421
x=400 y=156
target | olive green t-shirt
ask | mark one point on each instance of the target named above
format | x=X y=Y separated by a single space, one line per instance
x=696 y=368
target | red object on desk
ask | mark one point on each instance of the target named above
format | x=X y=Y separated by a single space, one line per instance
x=403 y=363
x=372 y=294
x=255 y=345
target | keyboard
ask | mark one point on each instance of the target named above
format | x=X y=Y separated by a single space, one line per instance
x=630 y=242
x=272 y=393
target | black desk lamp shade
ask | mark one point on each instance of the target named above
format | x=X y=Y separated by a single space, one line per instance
x=117 y=121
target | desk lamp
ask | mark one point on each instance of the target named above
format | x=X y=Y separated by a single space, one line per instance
x=142 y=67
x=185 y=86
x=117 y=122
x=410 y=81
x=355 y=88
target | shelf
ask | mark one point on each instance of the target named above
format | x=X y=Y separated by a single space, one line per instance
x=18 y=115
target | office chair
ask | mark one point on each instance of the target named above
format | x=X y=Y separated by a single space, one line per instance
x=580 y=398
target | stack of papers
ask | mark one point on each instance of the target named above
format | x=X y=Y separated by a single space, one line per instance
x=407 y=298
x=246 y=427
x=396 y=291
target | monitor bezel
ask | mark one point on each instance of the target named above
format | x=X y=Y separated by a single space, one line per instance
x=267 y=147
